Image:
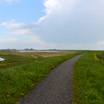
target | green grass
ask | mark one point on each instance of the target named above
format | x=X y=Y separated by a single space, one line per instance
x=14 y=60
x=88 y=81
x=17 y=81
x=101 y=56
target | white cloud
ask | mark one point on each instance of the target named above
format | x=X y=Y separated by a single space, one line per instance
x=76 y=24
x=98 y=45
x=57 y=7
x=19 y=28
x=30 y=39
x=73 y=21
x=8 y=39
x=12 y=24
x=33 y=42
x=20 y=32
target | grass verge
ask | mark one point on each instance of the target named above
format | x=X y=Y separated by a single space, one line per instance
x=16 y=82
x=88 y=81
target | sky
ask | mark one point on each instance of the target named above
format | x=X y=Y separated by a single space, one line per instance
x=52 y=24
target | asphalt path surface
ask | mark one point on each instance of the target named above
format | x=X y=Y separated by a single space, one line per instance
x=56 y=88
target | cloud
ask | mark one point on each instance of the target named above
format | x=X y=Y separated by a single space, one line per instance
x=12 y=24
x=76 y=24
x=20 y=32
x=73 y=22
x=8 y=39
x=98 y=45
x=33 y=42
x=57 y=7
x=19 y=28
x=26 y=37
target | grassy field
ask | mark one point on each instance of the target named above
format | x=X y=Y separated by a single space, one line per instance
x=23 y=73
x=17 y=58
x=14 y=60
x=88 y=80
x=100 y=57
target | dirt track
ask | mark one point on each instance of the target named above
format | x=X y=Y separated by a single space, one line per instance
x=56 y=88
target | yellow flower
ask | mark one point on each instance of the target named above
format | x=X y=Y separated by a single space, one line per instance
x=22 y=94
x=96 y=58
x=32 y=85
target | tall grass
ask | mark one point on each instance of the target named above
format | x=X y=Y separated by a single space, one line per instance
x=16 y=82
x=88 y=81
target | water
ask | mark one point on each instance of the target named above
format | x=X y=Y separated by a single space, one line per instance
x=36 y=51
x=1 y=59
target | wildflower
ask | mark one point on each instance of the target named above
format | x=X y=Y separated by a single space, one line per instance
x=96 y=58
x=32 y=85
x=22 y=94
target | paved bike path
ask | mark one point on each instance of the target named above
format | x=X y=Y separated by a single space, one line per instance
x=56 y=88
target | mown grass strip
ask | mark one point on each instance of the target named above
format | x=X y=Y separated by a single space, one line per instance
x=17 y=81
x=88 y=81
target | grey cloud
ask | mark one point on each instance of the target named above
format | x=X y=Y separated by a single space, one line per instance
x=83 y=24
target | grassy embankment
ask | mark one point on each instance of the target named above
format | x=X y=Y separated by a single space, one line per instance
x=88 y=80
x=17 y=81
